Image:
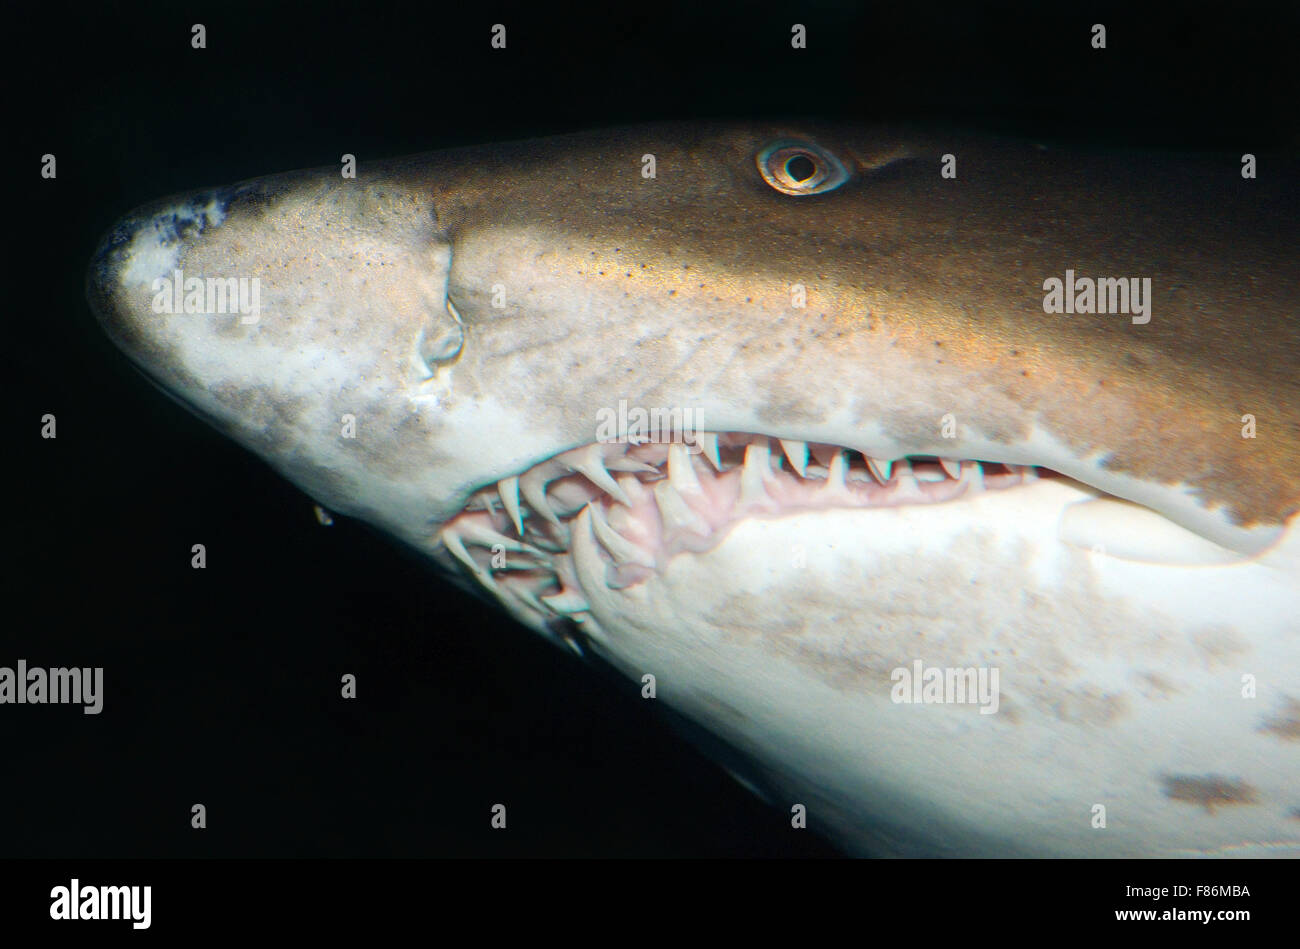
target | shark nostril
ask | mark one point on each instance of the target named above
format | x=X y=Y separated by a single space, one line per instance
x=439 y=341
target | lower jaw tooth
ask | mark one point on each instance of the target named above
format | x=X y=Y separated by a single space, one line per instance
x=567 y=603
x=484 y=536
x=616 y=545
x=453 y=543
x=675 y=514
x=754 y=474
x=972 y=473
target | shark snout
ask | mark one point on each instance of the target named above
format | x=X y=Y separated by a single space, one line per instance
x=137 y=280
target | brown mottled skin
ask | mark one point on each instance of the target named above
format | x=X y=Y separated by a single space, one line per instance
x=906 y=266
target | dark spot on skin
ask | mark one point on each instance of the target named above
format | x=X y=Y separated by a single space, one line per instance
x=1209 y=791
x=1294 y=813
x=672 y=293
x=1015 y=352
x=1286 y=724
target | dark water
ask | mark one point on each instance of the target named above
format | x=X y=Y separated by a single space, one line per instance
x=222 y=685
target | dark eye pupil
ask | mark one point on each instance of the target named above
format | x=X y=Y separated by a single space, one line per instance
x=800 y=168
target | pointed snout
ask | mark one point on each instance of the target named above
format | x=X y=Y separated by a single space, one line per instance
x=136 y=281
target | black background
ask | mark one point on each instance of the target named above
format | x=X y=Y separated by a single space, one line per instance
x=222 y=685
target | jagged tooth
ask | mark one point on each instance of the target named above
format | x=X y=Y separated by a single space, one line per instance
x=484 y=535
x=633 y=487
x=951 y=467
x=675 y=513
x=754 y=475
x=451 y=540
x=796 y=453
x=587 y=561
x=681 y=473
x=624 y=463
x=589 y=462
x=879 y=468
x=567 y=602
x=619 y=547
x=508 y=488
x=972 y=472
x=533 y=487
x=708 y=442
x=905 y=481
x=838 y=469
x=528 y=596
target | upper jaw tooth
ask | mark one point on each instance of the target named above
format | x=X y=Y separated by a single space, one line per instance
x=708 y=442
x=796 y=452
x=508 y=488
x=681 y=473
x=590 y=461
x=880 y=468
x=532 y=484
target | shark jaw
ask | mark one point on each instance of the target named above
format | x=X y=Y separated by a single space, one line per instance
x=434 y=345
x=644 y=504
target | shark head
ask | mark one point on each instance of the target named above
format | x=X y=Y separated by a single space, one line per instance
x=809 y=429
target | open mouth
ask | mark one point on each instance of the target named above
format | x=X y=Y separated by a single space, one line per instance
x=651 y=501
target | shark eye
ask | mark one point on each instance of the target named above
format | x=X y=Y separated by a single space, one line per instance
x=800 y=168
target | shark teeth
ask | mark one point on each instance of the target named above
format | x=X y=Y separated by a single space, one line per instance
x=681 y=473
x=590 y=461
x=533 y=487
x=454 y=544
x=567 y=602
x=484 y=535
x=675 y=514
x=708 y=442
x=797 y=454
x=622 y=550
x=755 y=474
x=836 y=474
x=879 y=468
x=625 y=510
x=508 y=488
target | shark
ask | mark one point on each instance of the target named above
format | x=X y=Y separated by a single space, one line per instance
x=948 y=483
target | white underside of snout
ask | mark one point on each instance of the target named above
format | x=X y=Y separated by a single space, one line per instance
x=1124 y=722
